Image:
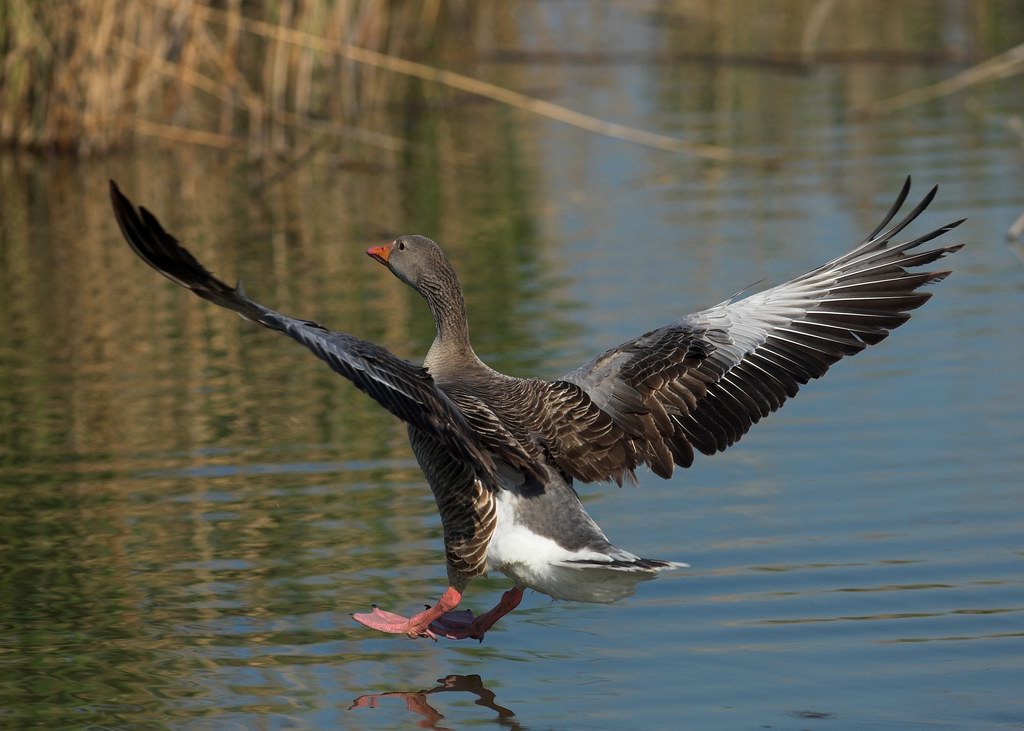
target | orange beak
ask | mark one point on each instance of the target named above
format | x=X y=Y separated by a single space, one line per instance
x=381 y=253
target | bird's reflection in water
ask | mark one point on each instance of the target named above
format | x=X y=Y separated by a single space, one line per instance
x=416 y=701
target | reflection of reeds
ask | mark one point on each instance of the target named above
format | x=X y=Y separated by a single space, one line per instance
x=1005 y=65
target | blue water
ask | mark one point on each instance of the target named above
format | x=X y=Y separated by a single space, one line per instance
x=190 y=507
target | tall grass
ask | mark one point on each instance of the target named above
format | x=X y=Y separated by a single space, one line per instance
x=82 y=76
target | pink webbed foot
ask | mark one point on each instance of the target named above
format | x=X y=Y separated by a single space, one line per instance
x=394 y=624
x=442 y=619
x=463 y=625
x=458 y=625
x=416 y=626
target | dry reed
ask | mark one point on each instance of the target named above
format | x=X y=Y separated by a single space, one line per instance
x=81 y=76
x=278 y=77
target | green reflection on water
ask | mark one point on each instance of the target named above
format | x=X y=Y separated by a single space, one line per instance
x=156 y=557
x=189 y=505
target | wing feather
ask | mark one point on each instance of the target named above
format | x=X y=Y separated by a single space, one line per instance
x=404 y=389
x=716 y=373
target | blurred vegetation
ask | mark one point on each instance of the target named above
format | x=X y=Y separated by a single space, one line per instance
x=86 y=76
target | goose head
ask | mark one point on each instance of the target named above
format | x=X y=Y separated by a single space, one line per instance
x=420 y=263
x=416 y=260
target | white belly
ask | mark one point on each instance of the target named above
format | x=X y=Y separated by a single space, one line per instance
x=538 y=562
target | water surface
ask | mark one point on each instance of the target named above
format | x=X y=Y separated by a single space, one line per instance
x=190 y=507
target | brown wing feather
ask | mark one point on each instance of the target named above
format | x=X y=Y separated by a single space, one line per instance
x=534 y=426
x=702 y=382
x=466 y=506
x=582 y=440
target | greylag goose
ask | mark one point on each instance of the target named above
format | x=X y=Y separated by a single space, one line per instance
x=502 y=454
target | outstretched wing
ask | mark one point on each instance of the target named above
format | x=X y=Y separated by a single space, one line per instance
x=404 y=389
x=702 y=382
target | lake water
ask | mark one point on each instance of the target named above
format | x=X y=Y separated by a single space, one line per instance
x=190 y=507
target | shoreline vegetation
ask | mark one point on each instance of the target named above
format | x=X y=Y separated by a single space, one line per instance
x=84 y=77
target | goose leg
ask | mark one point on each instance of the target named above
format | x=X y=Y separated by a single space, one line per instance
x=416 y=626
x=462 y=625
